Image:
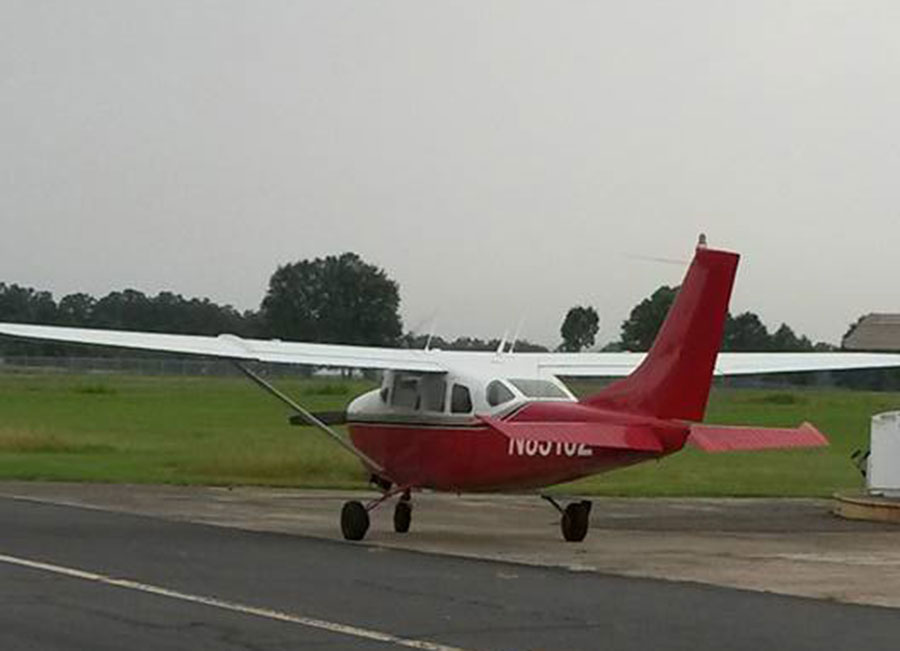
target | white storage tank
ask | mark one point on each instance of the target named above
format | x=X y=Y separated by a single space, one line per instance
x=883 y=475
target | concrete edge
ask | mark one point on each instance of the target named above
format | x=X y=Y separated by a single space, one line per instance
x=860 y=506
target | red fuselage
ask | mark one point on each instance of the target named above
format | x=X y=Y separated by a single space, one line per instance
x=477 y=457
x=499 y=428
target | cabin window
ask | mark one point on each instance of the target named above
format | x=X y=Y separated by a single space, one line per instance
x=538 y=388
x=406 y=392
x=433 y=393
x=498 y=393
x=460 y=400
x=419 y=392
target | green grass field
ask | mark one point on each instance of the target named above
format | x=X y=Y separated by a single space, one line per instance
x=226 y=431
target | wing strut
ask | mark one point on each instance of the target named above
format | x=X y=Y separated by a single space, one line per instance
x=309 y=417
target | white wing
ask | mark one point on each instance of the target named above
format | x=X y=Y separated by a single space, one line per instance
x=435 y=361
x=233 y=347
x=621 y=364
x=752 y=363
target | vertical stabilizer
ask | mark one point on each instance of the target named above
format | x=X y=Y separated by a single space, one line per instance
x=673 y=380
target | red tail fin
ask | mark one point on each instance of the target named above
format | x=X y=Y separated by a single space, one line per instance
x=673 y=380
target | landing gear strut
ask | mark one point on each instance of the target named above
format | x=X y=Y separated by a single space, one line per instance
x=355 y=515
x=575 y=520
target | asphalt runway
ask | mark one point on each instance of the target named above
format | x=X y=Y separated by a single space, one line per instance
x=76 y=578
x=787 y=546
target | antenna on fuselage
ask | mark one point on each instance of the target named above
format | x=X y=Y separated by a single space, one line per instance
x=512 y=346
x=502 y=342
x=431 y=333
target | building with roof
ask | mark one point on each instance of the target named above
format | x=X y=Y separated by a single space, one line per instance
x=874 y=332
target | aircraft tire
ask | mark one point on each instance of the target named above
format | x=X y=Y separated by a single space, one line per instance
x=354 y=521
x=575 y=521
x=402 y=516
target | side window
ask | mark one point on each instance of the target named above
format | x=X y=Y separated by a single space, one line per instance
x=406 y=392
x=460 y=400
x=433 y=392
x=498 y=393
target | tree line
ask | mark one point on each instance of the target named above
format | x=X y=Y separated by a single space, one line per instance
x=128 y=309
x=342 y=299
x=743 y=333
x=334 y=299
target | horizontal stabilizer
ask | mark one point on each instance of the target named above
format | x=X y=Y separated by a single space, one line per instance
x=620 y=437
x=724 y=438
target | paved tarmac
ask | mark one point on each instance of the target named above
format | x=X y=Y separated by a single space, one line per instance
x=76 y=578
x=787 y=546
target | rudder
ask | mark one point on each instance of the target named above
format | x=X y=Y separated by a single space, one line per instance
x=674 y=378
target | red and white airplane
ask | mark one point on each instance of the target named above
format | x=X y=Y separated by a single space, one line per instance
x=463 y=421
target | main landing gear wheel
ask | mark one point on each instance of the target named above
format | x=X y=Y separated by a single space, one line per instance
x=354 y=521
x=576 y=520
x=402 y=516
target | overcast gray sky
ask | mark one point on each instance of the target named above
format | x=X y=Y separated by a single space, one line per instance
x=498 y=159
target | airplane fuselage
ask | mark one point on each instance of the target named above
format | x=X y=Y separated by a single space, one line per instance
x=436 y=432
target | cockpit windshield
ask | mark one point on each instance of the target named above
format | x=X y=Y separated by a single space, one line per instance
x=497 y=393
x=539 y=388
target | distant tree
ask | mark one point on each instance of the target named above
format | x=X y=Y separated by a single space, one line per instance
x=165 y=312
x=417 y=341
x=336 y=299
x=645 y=320
x=525 y=346
x=579 y=329
x=26 y=305
x=123 y=310
x=128 y=309
x=252 y=324
x=745 y=333
x=784 y=340
x=411 y=340
x=521 y=346
x=470 y=343
x=76 y=310
x=202 y=316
